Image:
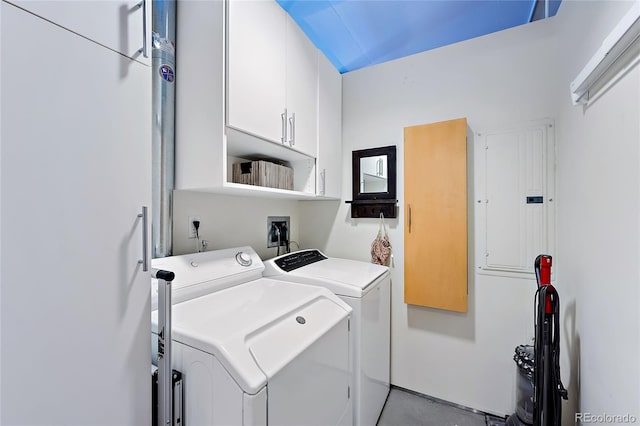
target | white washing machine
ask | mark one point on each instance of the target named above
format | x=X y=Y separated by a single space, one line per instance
x=253 y=350
x=366 y=287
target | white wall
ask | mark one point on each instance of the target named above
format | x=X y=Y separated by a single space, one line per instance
x=513 y=76
x=496 y=80
x=229 y=221
x=598 y=187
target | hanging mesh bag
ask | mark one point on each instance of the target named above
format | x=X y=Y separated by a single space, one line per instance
x=381 y=246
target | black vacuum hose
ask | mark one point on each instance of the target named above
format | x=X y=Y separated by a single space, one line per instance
x=547 y=359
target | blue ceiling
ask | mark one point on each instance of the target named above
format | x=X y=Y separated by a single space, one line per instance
x=355 y=34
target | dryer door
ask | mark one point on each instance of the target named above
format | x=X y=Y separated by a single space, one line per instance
x=311 y=385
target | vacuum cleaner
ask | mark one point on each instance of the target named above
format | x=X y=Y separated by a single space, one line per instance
x=548 y=388
x=540 y=389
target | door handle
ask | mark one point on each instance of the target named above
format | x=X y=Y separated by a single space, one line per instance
x=292 y=134
x=323 y=177
x=145 y=237
x=409 y=217
x=283 y=116
x=144 y=50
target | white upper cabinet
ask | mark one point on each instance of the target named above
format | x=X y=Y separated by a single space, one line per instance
x=207 y=149
x=96 y=20
x=242 y=63
x=256 y=68
x=302 y=90
x=271 y=76
x=329 y=161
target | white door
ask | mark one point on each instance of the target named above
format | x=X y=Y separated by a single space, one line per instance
x=329 y=129
x=256 y=68
x=75 y=170
x=302 y=90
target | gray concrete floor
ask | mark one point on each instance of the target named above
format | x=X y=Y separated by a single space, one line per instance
x=408 y=409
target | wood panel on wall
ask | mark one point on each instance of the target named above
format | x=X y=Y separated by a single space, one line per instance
x=435 y=232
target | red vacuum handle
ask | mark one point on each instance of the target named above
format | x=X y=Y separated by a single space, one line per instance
x=543 y=274
x=545 y=269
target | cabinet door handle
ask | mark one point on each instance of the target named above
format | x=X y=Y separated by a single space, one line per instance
x=292 y=134
x=323 y=177
x=145 y=237
x=283 y=116
x=144 y=50
x=409 y=216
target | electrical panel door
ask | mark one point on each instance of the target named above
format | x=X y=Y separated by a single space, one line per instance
x=514 y=196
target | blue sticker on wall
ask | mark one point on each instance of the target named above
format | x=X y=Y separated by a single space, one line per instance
x=167 y=73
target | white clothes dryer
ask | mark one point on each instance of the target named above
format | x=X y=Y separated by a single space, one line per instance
x=253 y=350
x=366 y=287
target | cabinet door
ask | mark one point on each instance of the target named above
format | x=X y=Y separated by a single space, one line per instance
x=119 y=25
x=329 y=129
x=200 y=156
x=256 y=68
x=435 y=236
x=76 y=169
x=302 y=90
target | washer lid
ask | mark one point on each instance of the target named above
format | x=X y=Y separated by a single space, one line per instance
x=228 y=322
x=206 y=272
x=343 y=277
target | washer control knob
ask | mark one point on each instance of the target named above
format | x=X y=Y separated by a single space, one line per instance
x=244 y=259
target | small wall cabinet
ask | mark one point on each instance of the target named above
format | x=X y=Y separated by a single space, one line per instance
x=435 y=230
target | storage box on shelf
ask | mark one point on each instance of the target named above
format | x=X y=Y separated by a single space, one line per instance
x=263 y=173
x=243 y=148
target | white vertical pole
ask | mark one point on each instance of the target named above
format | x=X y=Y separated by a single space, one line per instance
x=165 y=373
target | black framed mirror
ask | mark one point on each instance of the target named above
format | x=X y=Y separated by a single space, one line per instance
x=374 y=182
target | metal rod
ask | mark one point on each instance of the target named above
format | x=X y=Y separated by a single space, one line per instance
x=165 y=372
x=163 y=131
